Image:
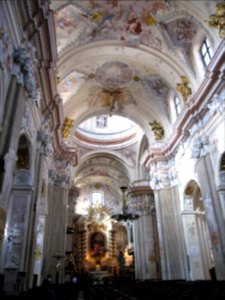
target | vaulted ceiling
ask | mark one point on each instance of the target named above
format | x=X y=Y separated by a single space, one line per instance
x=124 y=58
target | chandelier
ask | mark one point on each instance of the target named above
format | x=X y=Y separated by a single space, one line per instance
x=124 y=215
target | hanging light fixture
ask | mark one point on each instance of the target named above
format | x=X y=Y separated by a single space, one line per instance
x=125 y=215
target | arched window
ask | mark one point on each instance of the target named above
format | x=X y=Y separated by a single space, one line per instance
x=97 y=198
x=177 y=105
x=206 y=52
x=102 y=121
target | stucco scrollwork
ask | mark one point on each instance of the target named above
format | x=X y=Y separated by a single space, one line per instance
x=24 y=70
x=217 y=103
x=156 y=183
x=200 y=147
x=60 y=175
x=45 y=142
x=63 y=180
x=6 y=50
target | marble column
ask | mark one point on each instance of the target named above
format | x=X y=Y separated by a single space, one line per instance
x=173 y=261
x=9 y=139
x=56 y=232
x=145 y=234
x=38 y=222
x=212 y=204
x=170 y=234
x=70 y=256
x=221 y=192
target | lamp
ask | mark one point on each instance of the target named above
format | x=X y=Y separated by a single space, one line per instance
x=125 y=215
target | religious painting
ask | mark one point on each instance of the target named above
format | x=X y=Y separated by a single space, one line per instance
x=97 y=245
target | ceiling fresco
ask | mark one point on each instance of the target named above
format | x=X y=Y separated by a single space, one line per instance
x=182 y=32
x=83 y=22
x=114 y=74
x=124 y=57
x=168 y=27
x=101 y=168
x=70 y=85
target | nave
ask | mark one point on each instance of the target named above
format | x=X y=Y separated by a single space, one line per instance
x=125 y=289
x=112 y=147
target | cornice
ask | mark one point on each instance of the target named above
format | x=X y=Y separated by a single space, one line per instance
x=194 y=109
x=38 y=24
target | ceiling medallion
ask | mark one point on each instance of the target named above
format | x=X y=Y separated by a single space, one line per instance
x=114 y=74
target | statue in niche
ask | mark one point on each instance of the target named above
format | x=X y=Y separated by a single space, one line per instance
x=157 y=129
x=22 y=158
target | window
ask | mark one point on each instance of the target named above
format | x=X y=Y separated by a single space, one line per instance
x=102 y=122
x=222 y=164
x=177 y=105
x=97 y=198
x=206 y=52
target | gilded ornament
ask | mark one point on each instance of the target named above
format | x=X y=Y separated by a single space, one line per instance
x=91 y=76
x=183 y=88
x=136 y=78
x=218 y=20
x=97 y=214
x=67 y=125
x=149 y=20
x=96 y=16
x=58 y=79
x=189 y=190
x=157 y=130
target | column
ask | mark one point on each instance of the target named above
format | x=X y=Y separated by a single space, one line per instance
x=212 y=204
x=57 y=226
x=145 y=234
x=221 y=192
x=169 y=226
x=70 y=267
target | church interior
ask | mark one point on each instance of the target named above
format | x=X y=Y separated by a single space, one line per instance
x=112 y=146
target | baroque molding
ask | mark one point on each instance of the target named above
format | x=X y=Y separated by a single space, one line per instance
x=6 y=50
x=24 y=70
x=217 y=103
x=45 y=142
x=200 y=147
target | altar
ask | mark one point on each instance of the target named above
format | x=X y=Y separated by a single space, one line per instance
x=99 y=274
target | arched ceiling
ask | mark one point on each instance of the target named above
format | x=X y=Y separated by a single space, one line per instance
x=125 y=58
